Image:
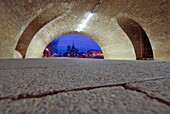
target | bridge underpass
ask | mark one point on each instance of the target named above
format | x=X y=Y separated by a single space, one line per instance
x=87 y=86
x=124 y=29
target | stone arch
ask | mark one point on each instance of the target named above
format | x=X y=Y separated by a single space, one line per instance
x=78 y=35
x=30 y=53
x=35 y=25
x=113 y=44
x=138 y=37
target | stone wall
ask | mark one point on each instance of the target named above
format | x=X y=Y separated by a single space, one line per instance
x=17 y=55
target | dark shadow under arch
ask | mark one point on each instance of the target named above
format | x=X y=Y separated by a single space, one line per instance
x=138 y=37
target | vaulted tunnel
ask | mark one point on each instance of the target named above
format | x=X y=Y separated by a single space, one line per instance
x=125 y=30
x=21 y=22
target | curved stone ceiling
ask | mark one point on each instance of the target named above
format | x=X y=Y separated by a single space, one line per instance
x=153 y=16
x=114 y=43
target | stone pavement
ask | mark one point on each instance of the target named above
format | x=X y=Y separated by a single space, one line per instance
x=85 y=86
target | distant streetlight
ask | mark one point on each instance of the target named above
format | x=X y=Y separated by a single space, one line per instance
x=47 y=49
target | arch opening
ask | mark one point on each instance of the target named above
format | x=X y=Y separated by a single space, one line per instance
x=73 y=46
x=138 y=37
x=35 y=25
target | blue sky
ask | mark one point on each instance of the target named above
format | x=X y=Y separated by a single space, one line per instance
x=83 y=43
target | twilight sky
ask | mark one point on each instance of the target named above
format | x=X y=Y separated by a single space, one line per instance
x=83 y=43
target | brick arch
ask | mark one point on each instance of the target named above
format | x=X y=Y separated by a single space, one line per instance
x=40 y=21
x=138 y=37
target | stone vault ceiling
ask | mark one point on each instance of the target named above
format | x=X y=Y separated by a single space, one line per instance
x=29 y=25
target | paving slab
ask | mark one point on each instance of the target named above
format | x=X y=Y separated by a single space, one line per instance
x=84 y=86
x=39 y=76
x=110 y=100
x=155 y=88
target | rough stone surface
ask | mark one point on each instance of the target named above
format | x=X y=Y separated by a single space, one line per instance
x=98 y=101
x=85 y=86
x=38 y=76
x=159 y=88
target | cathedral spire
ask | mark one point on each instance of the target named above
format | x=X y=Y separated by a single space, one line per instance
x=73 y=45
